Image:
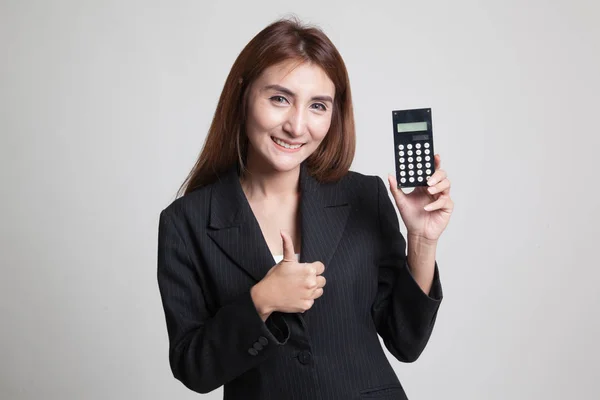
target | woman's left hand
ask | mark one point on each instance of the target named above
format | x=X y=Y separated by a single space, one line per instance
x=426 y=210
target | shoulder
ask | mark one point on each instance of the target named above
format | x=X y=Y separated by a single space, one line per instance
x=193 y=205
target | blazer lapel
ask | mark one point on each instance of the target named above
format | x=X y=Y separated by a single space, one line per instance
x=324 y=211
x=234 y=228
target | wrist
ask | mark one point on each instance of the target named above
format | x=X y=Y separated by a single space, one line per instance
x=421 y=241
x=261 y=303
x=420 y=251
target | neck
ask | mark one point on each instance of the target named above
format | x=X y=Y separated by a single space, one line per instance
x=261 y=182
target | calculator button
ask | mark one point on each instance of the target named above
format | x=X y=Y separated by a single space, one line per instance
x=427 y=158
x=401 y=159
x=400 y=147
x=418 y=152
x=427 y=151
x=410 y=159
x=402 y=166
x=419 y=159
x=412 y=179
x=401 y=153
x=411 y=166
x=418 y=145
x=428 y=165
x=419 y=165
x=409 y=146
x=403 y=180
x=411 y=173
x=420 y=172
x=420 y=179
x=428 y=172
x=410 y=153
x=426 y=145
x=402 y=173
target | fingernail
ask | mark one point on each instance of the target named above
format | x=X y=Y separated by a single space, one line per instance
x=431 y=182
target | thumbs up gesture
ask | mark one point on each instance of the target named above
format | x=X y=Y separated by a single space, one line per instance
x=289 y=286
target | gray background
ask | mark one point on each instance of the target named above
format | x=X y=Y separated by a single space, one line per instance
x=104 y=106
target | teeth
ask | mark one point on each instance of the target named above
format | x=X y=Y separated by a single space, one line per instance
x=284 y=144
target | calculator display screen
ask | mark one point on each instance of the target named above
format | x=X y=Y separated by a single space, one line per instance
x=412 y=127
x=420 y=137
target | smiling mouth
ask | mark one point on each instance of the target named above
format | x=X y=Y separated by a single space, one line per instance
x=286 y=145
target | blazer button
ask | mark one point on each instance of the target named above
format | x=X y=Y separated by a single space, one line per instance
x=305 y=357
x=257 y=346
x=252 y=351
x=263 y=340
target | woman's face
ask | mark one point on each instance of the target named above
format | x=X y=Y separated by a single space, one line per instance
x=289 y=113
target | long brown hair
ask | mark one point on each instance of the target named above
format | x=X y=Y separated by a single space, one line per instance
x=226 y=143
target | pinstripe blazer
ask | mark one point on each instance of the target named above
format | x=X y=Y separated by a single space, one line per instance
x=211 y=251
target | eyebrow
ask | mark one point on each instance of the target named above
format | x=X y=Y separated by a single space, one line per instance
x=287 y=91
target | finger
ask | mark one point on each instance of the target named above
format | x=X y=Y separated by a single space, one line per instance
x=443 y=202
x=288 y=247
x=437 y=161
x=438 y=176
x=321 y=281
x=311 y=282
x=441 y=187
x=317 y=293
x=308 y=303
x=398 y=194
x=319 y=267
x=310 y=269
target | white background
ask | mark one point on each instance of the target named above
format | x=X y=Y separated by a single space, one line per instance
x=104 y=106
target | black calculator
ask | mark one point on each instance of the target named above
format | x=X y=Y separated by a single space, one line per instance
x=413 y=146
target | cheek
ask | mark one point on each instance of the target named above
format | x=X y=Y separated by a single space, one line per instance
x=320 y=128
x=263 y=119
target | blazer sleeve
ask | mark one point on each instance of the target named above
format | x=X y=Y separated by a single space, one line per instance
x=404 y=315
x=206 y=351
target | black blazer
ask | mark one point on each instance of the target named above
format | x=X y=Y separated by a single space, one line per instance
x=211 y=251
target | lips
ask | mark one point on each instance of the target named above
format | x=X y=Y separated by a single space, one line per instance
x=287 y=145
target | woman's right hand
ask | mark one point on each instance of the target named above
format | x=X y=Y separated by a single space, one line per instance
x=289 y=286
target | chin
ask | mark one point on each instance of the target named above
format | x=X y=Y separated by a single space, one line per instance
x=287 y=164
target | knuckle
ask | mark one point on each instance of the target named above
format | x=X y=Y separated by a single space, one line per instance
x=306 y=282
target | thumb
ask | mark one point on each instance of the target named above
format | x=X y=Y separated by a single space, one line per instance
x=398 y=194
x=288 y=247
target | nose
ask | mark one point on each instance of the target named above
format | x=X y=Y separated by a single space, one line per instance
x=295 y=123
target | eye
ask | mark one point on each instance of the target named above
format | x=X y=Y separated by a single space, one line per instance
x=278 y=99
x=320 y=106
